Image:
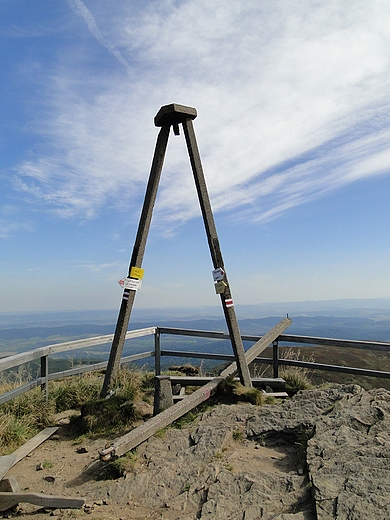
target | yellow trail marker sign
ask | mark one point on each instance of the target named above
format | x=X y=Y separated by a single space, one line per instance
x=137 y=272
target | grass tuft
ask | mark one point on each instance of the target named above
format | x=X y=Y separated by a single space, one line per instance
x=118 y=468
x=297 y=378
x=73 y=392
x=232 y=391
x=105 y=416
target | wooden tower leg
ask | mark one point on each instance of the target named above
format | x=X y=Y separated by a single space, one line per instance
x=136 y=259
x=216 y=254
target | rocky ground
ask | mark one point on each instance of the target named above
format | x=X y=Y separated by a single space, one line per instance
x=323 y=454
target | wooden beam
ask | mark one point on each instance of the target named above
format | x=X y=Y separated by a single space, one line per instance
x=132 y=439
x=7 y=461
x=8 y=500
x=260 y=345
x=128 y=296
x=216 y=253
x=33 y=443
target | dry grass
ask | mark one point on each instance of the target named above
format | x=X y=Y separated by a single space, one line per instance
x=297 y=378
x=24 y=416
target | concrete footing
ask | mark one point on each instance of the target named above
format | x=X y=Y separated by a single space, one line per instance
x=162 y=394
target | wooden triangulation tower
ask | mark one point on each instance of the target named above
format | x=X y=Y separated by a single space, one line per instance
x=175 y=115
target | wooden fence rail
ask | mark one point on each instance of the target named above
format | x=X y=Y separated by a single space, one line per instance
x=157 y=353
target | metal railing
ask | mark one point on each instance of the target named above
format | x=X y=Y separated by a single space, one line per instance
x=157 y=353
x=43 y=354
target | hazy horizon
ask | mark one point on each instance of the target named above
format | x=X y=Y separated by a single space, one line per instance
x=348 y=307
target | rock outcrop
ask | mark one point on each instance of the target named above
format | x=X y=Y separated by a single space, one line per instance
x=323 y=454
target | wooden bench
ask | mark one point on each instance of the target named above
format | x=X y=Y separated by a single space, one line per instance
x=272 y=387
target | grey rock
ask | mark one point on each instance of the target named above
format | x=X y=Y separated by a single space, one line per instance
x=349 y=458
x=341 y=443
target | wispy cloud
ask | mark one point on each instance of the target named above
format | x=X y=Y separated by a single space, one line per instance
x=104 y=267
x=11 y=223
x=292 y=101
x=9 y=228
x=80 y=8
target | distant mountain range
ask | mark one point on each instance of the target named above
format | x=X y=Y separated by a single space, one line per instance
x=355 y=308
x=343 y=319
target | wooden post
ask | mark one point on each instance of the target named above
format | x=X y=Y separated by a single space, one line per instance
x=216 y=253
x=45 y=376
x=157 y=352
x=163 y=398
x=275 y=357
x=136 y=259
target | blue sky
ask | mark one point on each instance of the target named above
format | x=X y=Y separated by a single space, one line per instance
x=293 y=128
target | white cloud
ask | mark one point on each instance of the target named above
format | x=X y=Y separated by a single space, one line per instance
x=111 y=267
x=8 y=228
x=290 y=103
x=82 y=10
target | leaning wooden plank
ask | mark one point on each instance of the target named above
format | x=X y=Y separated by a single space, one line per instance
x=33 y=443
x=9 y=484
x=7 y=461
x=260 y=345
x=147 y=429
x=142 y=433
x=8 y=500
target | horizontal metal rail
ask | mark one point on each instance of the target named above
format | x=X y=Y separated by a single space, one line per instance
x=205 y=355
x=43 y=352
x=288 y=338
x=332 y=342
x=203 y=333
x=335 y=368
x=198 y=355
x=303 y=364
x=20 y=390
x=8 y=396
x=97 y=366
x=26 y=357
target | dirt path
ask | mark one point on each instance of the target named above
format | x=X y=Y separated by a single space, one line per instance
x=61 y=467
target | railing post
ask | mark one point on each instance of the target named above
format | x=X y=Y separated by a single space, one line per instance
x=45 y=376
x=163 y=398
x=157 y=352
x=275 y=357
